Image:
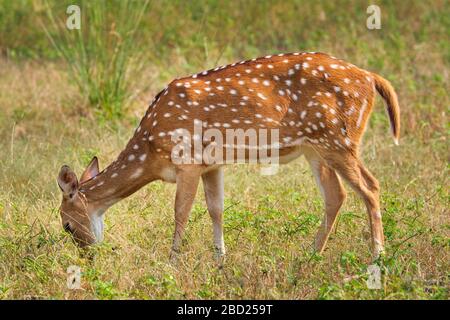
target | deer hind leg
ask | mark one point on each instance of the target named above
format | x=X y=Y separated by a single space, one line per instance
x=187 y=180
x=214 y=194
x=333 y=194
x=374 y=186
x=362 y=181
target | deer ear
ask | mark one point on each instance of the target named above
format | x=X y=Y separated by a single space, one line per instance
x=91 y=170
x=67 y=181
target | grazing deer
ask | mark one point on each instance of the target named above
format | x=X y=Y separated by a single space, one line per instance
x=317 y=104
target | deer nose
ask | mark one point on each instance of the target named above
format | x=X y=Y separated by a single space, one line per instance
x=67 y=227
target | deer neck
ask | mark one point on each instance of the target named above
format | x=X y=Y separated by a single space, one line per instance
x=134 y=168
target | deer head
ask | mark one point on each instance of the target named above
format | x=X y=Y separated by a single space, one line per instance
x=83 y=220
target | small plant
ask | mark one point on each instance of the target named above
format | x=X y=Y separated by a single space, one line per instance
x=105 y=290
x=101 y=54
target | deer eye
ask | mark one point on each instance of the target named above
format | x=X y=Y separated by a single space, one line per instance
x=67 y=228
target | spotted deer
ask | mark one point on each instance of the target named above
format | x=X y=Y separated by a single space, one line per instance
x=317 y=104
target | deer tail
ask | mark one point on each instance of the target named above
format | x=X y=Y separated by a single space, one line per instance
x=386 y=90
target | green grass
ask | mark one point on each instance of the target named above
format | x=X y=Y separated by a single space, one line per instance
x=269 y=222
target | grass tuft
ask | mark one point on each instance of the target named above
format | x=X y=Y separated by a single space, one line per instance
x=101 y=55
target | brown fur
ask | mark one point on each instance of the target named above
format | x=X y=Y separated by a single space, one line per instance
x=319 y=104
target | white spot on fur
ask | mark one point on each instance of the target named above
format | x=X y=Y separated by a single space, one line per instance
x=361 y=113
x=137 y=173
x=142 y=157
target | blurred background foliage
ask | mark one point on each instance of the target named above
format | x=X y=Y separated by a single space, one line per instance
x=118 y=38
x=205 y=30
